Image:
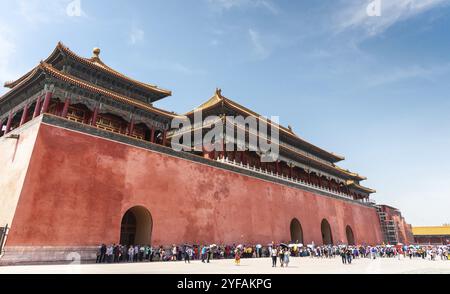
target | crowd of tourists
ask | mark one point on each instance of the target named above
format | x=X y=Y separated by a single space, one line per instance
x=116 y=253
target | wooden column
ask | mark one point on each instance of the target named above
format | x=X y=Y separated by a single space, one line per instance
x=48 y=98
x=37 y=108
x=66 y=108
x=24 y=115
x=152 y=135
x=223 y=149
x=94 y=116
x=131 y=127
x=8 y=123
x=164 y=138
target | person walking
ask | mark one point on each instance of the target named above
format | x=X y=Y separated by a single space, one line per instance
x=237 y=257
x=344 y=258
x=152 y=253
x=102 y=253
x=286 y=257
x=123 y=257
x=281 y=255
x=349 y=256
x=130 y=253
x=203 y=253
x=209 y=253
x=174 y=253
x=116 y=253
x=188 y=252
x=109 y=253
x=136 y=253
x=274 y=253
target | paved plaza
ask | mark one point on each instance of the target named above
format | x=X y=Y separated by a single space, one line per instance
x=248 y=266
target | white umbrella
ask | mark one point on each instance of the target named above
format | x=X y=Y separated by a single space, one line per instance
x=240 y=246
x=258 y=246
x=292 y=245
x=213 y=246
x=299 y=245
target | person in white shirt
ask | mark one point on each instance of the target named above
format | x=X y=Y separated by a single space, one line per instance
x=274 y=254
x=109 y=253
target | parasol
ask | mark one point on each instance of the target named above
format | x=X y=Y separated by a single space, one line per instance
x=283 y=245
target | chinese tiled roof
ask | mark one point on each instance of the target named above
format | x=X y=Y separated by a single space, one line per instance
x=219 y=98
x=95 y=63
x=431 y=231
x=49 y=69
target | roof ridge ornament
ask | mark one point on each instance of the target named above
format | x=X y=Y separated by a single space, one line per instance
x=219 y=92
x=96 y=53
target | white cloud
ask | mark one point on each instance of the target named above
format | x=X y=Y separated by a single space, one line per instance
x=230 y=4
x=354 y=15
x=260 y=50
x=415 y=71
x=136 y=35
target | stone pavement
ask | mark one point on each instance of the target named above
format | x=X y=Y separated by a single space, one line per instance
x=248 y=266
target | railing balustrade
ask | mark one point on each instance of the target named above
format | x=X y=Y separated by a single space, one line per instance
x=289 y=179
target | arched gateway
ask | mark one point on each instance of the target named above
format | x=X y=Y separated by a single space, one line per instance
x=296 y=231
x=327 y=236
x=136 y=226
x=350 y=236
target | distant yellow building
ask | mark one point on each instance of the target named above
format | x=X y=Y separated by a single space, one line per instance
x=432 y=235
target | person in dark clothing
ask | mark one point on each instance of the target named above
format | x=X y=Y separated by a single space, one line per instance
x=344 y=258
x=349 y=256
x=187 y=254
x=116 y=253
x=102 y=253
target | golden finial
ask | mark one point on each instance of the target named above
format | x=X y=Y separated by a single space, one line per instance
x=96 y=52
x=219 y=92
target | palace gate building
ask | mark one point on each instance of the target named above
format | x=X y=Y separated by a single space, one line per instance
x=86 y=158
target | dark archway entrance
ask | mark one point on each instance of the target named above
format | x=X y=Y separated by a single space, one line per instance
x=327 y=237
x=136 y=227
x=296 y=231
x=350 y=236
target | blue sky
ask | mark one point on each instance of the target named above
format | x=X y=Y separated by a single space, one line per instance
x=374 y=89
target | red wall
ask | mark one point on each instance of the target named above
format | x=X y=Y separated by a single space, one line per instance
x=78 y=187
